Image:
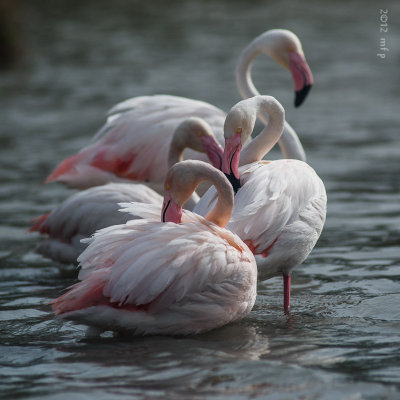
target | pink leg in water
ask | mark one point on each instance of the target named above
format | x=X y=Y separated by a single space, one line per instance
x=286 y=292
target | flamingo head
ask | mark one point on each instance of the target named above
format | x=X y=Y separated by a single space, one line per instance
x=197 y=134
x=302 y=77
x=181 y=181
x=238 y=127
x=285 y=48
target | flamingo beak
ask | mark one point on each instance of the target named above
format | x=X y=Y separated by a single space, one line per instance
x=171 y=212
x=230 y=161
x=213 y=150
x=235 y=182
x=302 y=77
x=286 y=292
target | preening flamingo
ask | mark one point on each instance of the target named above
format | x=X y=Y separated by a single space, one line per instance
x=83 y=213
x=280 y=206
x=133 y=142
x=183 y=275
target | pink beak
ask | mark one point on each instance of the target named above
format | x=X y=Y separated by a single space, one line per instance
x=170 y=212
x=213 y=150
x=231 y=158
x=302 y=77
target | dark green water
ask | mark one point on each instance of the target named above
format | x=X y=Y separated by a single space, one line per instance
x=342 y=340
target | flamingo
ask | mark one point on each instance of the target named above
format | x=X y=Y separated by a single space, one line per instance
x=132 y=144
x=85 y=212
x=280 y=206
x=183 y=275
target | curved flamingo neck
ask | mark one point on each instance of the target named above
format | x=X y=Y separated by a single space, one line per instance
x=221 y=213
x=175 y=154
x=183 y=178
x=177 y=146
x=182 y=138
x=244 y=81
x=205 y=143
x=264 y=142
x=289 y=142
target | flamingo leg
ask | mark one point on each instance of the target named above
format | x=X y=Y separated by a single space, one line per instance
x=286 y=292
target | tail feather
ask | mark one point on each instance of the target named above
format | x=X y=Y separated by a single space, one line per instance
x=98 y=158
x=83 y=294
x=65 y=167
x=89 y=293
x=38 y=223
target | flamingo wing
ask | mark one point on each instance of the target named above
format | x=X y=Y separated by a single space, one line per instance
x=134 y=142
x=142 y=210
x=274 y=196
x=154 y=265
x=84 y=213
x=161 y=103
x=147 y=210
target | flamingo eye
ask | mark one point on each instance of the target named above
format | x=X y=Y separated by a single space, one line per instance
x=199 y=133
x=239 y=130
x=167 y=186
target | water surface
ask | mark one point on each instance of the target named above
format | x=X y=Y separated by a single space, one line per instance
x=342 y=340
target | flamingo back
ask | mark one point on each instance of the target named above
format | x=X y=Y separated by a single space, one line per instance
x=173 y=278
x=134 y=142
x=279 y=212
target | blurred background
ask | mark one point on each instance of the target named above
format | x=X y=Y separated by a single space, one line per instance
x=63 y=64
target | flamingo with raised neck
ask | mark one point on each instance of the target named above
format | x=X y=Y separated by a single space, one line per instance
x=131 y=145
x=280 y=206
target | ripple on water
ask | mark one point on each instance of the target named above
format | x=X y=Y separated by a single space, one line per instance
x=341 y=340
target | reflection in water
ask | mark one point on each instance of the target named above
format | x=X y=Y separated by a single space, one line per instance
x=342 y=337
x=244 y=343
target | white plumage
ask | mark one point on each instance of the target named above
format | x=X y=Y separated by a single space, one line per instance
x=82 y=214
x=280 y=211
x=150 y=277
x=85 y=212
x=280 y=206
x=133 y=144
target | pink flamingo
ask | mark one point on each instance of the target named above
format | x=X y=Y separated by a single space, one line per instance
x=280 y=206
x=133 y=142
x=85 y=212
x=183 y=275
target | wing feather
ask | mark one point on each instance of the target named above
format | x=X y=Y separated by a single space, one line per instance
x=136 y=124
x=272 y=197
x=161 y=263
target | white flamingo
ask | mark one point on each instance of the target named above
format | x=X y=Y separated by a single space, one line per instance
x=133 y=143
x=83 y=213
x=280 y=206
x=184 y=275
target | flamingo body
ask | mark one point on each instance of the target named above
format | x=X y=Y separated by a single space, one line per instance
x=83 y=213
x=134 y=142
x=280 y=206
x=279 y=213
x=144 y=281
x=152 y=277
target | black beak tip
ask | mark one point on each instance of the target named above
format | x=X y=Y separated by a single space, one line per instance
x=301 y=95
x=235 y=182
